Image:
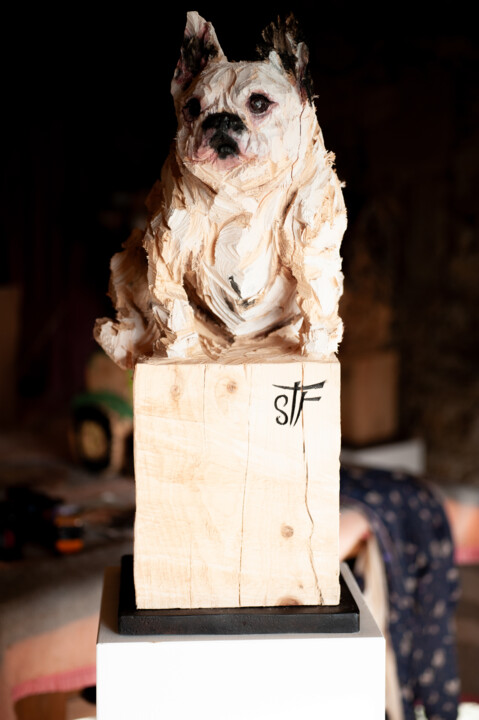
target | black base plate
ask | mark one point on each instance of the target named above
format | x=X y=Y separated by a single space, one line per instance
x=342 y=618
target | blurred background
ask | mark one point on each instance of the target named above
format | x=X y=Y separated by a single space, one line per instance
x=88 y=121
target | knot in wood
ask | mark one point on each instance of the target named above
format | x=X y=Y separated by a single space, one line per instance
x=175 y=391
x=289 y=601
x=231 y=386
x=287 y=531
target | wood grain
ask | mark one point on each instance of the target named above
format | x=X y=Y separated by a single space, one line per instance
x=235 y=509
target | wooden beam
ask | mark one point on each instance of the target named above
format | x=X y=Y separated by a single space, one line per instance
x=237 y=476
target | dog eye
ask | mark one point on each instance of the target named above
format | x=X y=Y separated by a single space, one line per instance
x=192 y=108
x=258 y=104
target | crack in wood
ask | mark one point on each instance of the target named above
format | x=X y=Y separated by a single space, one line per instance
x=230 y=516
x=306 y=486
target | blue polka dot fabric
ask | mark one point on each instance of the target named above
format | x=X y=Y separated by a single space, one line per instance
x=409 y=522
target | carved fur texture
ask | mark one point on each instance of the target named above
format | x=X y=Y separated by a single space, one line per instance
x=245 y=226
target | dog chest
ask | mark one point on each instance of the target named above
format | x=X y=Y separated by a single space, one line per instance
x=242 y=279
x=245 y=259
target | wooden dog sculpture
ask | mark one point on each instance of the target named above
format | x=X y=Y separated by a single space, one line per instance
x=246 y=224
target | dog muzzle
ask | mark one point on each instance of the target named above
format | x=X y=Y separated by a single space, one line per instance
x=224 y=125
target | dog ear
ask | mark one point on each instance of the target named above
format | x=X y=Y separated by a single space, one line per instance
x=200 y=45
x=283 y=40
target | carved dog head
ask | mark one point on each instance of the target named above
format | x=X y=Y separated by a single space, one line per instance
x=240 y=122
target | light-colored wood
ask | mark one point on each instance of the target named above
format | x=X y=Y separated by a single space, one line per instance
x=235 y=509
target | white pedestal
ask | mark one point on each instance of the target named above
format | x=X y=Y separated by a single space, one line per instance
x=253 y=677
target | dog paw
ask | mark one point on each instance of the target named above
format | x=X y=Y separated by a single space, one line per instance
x=213 y=348
x=319 y=343
x=115 y=341
x=186 y=346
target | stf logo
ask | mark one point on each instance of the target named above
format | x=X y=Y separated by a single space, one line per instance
x=298 y=397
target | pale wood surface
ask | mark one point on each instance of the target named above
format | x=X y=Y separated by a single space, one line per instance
x=233 y=508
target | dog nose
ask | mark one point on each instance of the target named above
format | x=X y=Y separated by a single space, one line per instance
x=224 y=121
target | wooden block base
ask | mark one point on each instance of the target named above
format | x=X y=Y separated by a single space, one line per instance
x=237 y=484
x=342 y=618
